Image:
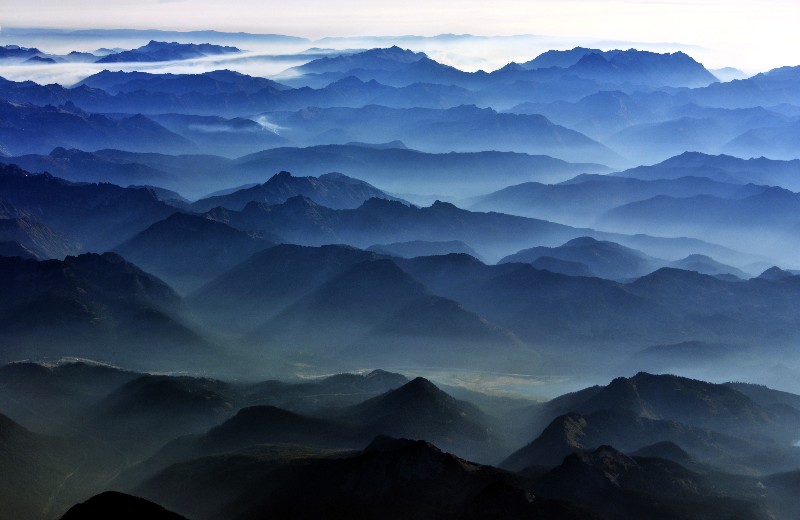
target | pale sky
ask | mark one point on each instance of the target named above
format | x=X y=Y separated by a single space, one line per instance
x=754 y=34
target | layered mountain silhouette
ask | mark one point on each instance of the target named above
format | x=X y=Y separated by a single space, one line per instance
x=333 y=190
x=189 y=251
x=603 y=259
x=95 y=306
x=34 y=129
x=167 y=51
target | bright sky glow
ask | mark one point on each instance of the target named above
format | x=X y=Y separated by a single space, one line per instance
x=749 y=34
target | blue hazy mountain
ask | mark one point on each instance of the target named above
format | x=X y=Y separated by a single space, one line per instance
x=205 y=83
x=187 y=251
x=34 y=129
x=394 y=169
x=723 y=168
x=422 y=248
x=220 y=136
x=632 y=66
x=94 y=306
x=333 y=190
x=390 y=59
x=91 y=217
x=460 y=129
x=583 y=199
x=167 y=51
x=604 y=259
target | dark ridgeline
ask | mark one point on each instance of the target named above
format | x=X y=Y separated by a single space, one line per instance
x=654 y=267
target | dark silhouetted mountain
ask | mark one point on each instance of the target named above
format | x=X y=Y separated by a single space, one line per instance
x=765 y=396
x=723 y=168
x=205 y=83
x=86 y=216
x=49 y=398
x=610 y=483
x=34 y=129
x=93 y=306
x=119 y=505
x=774 y=274
x=573 y=433
x=460 y=129
x=706 y=265
x=31 y=468
x=271 y=425
x=422 y=248
x=333 y=190
x=374 y=311
x=15 y=51
x=389 y=479
x=604 y=259
x=149 y=411
x=268 y=282
x=188 y=251
x=420 y=410
x=166 y=51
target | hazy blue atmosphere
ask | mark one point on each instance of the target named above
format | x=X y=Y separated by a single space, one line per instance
x=448 y=260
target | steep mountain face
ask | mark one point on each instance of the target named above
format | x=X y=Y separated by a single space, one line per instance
x=333 y=190
x=34 y=129
x=93 y=217
x=188 y=251
x=115 y=504
x=420 y=410
x=92 y=306
x=33 y=240
x=604 y=259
